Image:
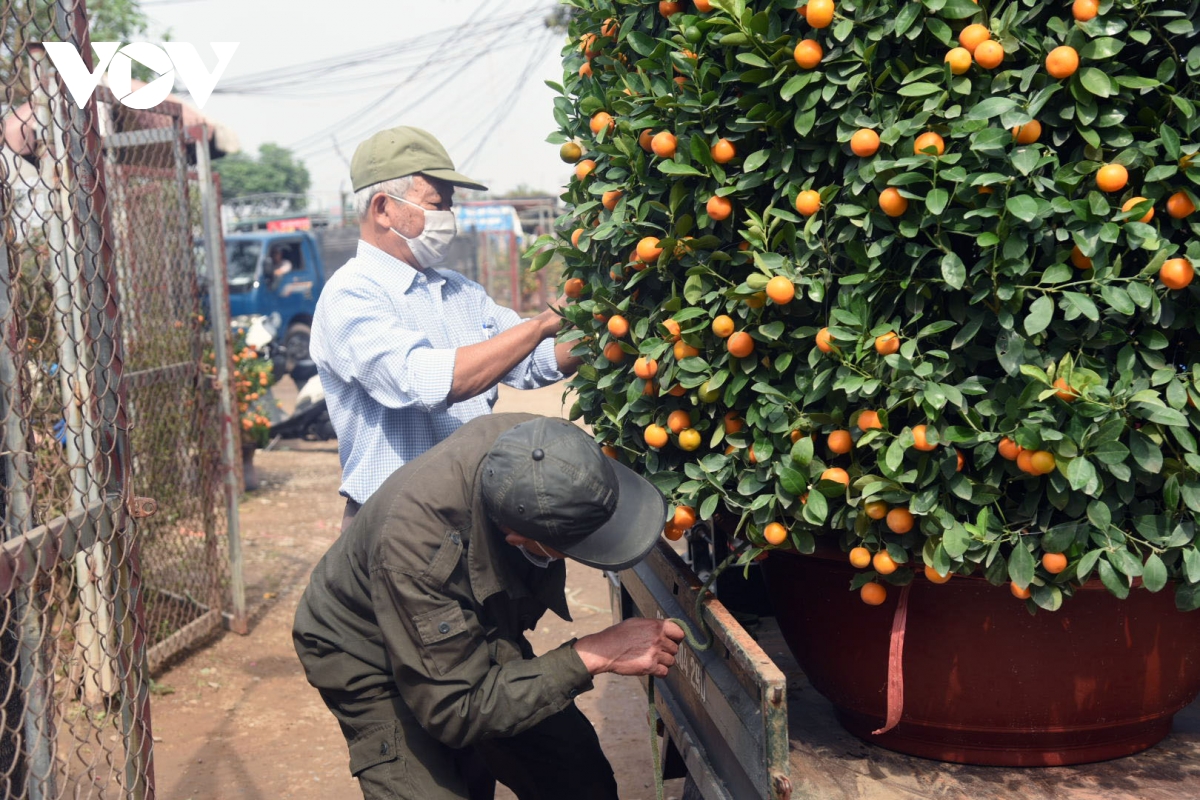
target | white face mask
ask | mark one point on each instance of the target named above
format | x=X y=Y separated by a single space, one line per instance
x=433 y=243
x=542 y=561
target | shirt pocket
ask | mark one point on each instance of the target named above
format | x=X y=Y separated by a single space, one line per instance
x=445 y=637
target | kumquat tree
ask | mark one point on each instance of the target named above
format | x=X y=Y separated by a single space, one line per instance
x=909 y=277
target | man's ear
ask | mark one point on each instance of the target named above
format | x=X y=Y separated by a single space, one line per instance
x=379 y=210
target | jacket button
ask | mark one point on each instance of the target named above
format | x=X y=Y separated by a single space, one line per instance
x=573 y=693
x=455 y=539
x=444 y=627
x=383 y=748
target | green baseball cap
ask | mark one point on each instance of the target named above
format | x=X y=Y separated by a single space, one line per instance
x=402 y=151
x=549 y=481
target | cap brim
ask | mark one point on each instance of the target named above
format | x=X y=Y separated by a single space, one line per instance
x=455 y=178
x=630 y=532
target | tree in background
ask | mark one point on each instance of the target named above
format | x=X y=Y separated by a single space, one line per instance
x=32 y=21
x=275 y=171
x=560 y=18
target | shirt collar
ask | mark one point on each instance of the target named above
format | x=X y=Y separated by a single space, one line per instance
x=405 y=273
x=491 y=573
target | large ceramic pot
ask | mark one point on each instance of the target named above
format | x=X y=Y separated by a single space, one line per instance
x=984 y=681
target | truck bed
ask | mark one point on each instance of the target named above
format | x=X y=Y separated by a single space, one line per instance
x=742 y=722
x=827 y=763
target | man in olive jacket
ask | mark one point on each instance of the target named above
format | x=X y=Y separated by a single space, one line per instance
x=412 y=626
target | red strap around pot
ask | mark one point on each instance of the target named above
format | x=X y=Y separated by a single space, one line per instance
x=895 y=682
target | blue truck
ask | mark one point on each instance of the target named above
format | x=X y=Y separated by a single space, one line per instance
x=279 y=276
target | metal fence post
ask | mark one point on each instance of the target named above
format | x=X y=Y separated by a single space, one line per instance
x=93 y=628
x=218 y=302
x=84 y=158
x=17 y=485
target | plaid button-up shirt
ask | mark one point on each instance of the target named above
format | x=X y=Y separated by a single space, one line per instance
x=384 y=338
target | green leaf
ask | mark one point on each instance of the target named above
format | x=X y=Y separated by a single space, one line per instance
x=907 y=16
x=1170 y=140
x=794 y=85
x=1101 y=48
x=1099 y=515
x=895 y=455
x=1023 y=207
x=753 y=60
x=1190 y=492
x=1096 y=82
x=957 y=9
x=936 y=201
x=1041 y=312
x=1114 y=582
x=1048 y=597
x=1160 y=414
x=954 y=273
x=1161 y=173
x=1080 y=473
x=1021 y=565
x=1154 y=573
x=1026 y=159
x=756 y=160
x=1191 y=564
x=642 y=44
x=919 y=89
x=772 y=330
x=816 y=509
x=1118 y=299
x=991 y=107
x=675 y=168
x=792 y=481
x=1187 y=597
x=1082 y=304
x=1145 y=452
x=1087 y=563
x=956 y=540
x=802 y=451
x=1057 y=273
x=1125 y=563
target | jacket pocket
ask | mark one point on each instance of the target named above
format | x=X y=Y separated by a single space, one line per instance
x=444 y=636
x=374 y=745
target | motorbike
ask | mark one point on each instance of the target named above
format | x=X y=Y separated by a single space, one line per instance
x=310 y=418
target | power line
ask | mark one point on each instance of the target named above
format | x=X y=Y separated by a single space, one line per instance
x=505 y=107
x=343 y=67
x=367 y=124
x=333 y=129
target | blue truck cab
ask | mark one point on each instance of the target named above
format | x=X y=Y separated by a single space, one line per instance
x=277 y=273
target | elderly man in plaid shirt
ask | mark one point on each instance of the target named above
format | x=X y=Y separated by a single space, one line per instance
x=407 y=353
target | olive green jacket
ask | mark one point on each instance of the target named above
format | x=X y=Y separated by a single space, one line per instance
x=422 y=598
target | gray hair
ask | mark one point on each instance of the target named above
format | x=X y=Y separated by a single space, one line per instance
x=396 y=186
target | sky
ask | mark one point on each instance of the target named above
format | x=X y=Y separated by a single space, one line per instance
x=467 y=101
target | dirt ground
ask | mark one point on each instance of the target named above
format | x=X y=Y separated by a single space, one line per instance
x=236 y=719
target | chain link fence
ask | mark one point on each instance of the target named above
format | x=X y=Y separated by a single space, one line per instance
x=115 y=399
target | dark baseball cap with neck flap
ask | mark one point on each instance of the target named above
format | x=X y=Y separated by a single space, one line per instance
x=397 y=152
x=549 y=481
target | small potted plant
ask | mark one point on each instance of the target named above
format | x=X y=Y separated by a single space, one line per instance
x=252 y=374
x=906 y=289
